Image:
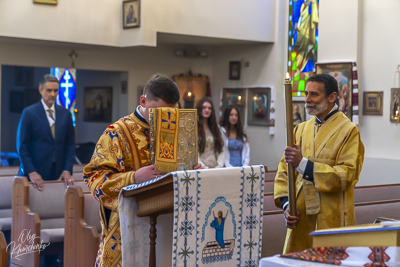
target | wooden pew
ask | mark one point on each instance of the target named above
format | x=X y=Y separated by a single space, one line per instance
x=376 y=192
x=269 y=181
x=270 y=175
x=7 y=175
x=269 y=203
x=367 y=212
x=82 y=227
x=3 y=251
x=6 y=185
x=361 y=193
x=78 y=168
x=77 y=171
x=40 y=212
x=274 y=233
x=269 y=186
x=13 y=171
x=8 y=171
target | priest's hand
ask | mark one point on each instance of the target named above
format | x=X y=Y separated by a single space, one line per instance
x=293 y=156
x=198 y=166
x=37 y=180
x=291 y=221
x=146 y=173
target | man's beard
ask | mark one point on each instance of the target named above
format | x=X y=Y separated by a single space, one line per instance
x=316 y=108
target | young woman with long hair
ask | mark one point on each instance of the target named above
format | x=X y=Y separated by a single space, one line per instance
x=236 y=145
x=211 y=146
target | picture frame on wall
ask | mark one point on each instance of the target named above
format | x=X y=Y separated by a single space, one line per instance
x=47 y=2
x=98 y=104
x=234 y=70
x=258 y=108
x=373 y=103
x=236 y=97
x=394 y=104
x=299 y=112
x=342 y=71
x=191 y=88
x=131 y=14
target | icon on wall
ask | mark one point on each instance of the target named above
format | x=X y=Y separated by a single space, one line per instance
x=131 y=14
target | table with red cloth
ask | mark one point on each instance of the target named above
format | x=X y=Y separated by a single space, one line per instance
x=343 y=256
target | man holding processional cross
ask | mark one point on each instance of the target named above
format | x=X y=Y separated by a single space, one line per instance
x=328 y=155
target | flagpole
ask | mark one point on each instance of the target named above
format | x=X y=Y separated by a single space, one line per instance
x=290 y=143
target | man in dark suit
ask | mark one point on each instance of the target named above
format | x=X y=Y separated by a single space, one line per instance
x=45 y=138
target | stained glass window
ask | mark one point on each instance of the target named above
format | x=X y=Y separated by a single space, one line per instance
x=303 y=42
x=67 y=90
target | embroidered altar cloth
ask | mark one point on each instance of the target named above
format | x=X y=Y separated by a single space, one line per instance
x=217 y=219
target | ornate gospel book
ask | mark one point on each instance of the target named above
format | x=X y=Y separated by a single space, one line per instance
x=173 y=139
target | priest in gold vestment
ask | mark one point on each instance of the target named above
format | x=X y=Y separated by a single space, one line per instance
x=122 y=158
x=328 y=157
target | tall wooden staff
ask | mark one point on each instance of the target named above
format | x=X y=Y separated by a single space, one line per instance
x=289 y=142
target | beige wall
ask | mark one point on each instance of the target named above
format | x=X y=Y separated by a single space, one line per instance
x=100 y=22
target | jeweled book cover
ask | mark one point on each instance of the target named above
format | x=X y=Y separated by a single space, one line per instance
x=173 y=139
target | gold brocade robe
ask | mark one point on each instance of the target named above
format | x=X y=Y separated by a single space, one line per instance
x=122 y=149
x=336 y=149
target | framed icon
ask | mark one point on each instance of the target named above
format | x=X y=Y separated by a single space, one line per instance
x=97 y=104
x=131 y=14
x=259 y=101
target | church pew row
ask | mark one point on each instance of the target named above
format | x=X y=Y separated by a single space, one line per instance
x=13 y=171
x=274 y=233
x=269 y=187
x=3 y=250
x=274 y=225
x=269 y=204
x=269 y=181
x=6 y=183
x=361 y=194
x=270 y=175
x=7 y=175
x=39 y=213
x=8 y=171
x=376 y=192
x=77 y=171
x=367 y=212
x=82 y=228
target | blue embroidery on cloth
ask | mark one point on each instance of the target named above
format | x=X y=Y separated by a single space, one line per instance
x=246 y=217
x=218 y=199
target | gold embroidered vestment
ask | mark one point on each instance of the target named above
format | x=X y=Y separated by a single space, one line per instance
x=337 y=151
x=122 y=149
